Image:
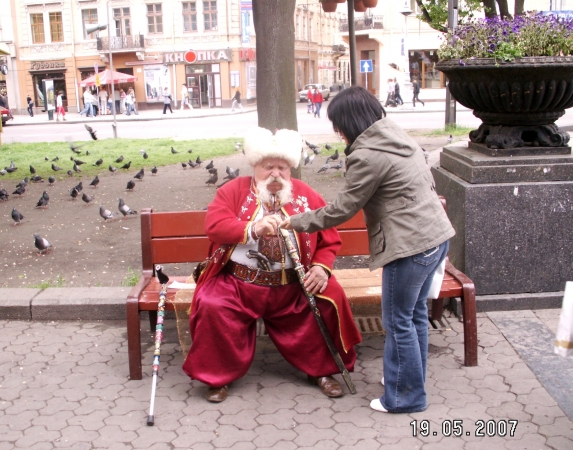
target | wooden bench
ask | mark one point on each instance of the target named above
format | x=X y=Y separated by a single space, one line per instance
x=179 y=237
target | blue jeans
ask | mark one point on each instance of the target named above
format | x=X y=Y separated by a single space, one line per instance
x=88 y=110
x=317 y=107
x=131 y=107
x=405 y=286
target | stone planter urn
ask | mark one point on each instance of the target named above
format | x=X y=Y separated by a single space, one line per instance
x=518 y=102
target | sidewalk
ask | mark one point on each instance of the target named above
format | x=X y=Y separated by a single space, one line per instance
x=434 y=101
x=154 y=114
x=64 y=385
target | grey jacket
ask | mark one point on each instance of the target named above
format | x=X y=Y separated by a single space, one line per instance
x=387 y=176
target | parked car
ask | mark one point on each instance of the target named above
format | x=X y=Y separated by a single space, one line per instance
x=321 y=87
x=6 y=115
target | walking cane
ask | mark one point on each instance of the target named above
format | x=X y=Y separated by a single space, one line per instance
x=163 y=279
x=315 y=311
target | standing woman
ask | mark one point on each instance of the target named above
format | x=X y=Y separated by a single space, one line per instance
x=388 y=178
x=317 y=99
x=30 y=104
x=237 y=101
x=185 y=97
x=122 y=96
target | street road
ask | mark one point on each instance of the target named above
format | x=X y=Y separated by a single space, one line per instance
x=226 y=125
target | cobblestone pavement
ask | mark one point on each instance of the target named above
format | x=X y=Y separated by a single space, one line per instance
x=64 y=385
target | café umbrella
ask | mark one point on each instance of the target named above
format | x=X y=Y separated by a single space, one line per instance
x=106 y=77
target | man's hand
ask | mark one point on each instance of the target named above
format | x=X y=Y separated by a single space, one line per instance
x=316 y=280
x=286 y=224
x=268 y=225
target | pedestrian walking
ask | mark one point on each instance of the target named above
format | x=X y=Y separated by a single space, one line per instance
x=123 y=96
x=130 y=103
x=117 y=100
x=167 y=100
x=185 y=97
x=88 y=104
x=237 y=101
x=60 y=107
x=388 y=178
x=103 y=102
x=30 y=104
x=310 y=100
x=317 y=100
x=397 y=96
x=390 y=91
x=416 y=90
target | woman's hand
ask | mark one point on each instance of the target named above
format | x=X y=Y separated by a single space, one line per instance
x=286 y=224
x=316 y=280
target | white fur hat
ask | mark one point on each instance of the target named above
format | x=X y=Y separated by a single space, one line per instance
x=260 y=143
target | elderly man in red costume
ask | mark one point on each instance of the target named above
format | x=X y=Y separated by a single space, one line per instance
x=250 y=275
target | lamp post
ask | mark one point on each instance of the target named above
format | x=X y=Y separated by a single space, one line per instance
x=114 y=126
x=450 y=118
x=406 y=11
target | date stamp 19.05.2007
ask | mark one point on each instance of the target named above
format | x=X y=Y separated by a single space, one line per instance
x=455 y=427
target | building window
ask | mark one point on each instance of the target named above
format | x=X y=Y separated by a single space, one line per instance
x=89 y=16
x=122 y=19
x=154 y=18
x=189 y=16
x=210 y=15
x=297 y=27
x=56 y=27
x=37 y=24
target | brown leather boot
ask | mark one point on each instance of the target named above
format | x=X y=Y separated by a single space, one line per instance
x=217 y=395
x=328 y=385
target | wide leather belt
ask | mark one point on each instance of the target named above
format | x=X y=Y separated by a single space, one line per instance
x=260 y=277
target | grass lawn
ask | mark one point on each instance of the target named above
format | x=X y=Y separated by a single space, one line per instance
x=41 y=155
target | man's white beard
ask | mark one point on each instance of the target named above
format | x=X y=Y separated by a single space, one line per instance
x=284 y=195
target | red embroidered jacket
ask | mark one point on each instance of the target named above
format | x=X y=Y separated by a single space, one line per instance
x=228 y=218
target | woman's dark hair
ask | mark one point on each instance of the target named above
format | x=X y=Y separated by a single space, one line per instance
x=353 y=110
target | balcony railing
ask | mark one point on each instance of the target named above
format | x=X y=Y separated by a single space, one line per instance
x=366 y=23
x=121 y=43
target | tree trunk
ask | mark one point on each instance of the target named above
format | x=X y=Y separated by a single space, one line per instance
x=503 y=9
x=519 y=5
x=276 y=94
x=490 y=9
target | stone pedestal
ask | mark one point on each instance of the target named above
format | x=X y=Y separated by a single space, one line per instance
x=513 y=217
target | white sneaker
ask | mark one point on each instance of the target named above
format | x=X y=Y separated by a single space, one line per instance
x=376 y=405
x=382 y=381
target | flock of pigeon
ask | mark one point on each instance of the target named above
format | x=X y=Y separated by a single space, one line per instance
x=43 y=245
x=309 y=158
x=40 y=242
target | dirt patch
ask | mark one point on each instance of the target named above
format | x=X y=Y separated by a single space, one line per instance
x=88 y=251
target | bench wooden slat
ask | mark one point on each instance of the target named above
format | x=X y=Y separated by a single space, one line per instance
x=186 y=249
x=179 y=237
x=357 y=222
x=181 y=223
x=354 y=242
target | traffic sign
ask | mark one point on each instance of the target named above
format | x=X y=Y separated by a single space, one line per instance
x=365 y=65
x=96 y=68
x=190 y=56
x=98 y=83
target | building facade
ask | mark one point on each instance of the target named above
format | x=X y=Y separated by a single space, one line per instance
x=208 y=46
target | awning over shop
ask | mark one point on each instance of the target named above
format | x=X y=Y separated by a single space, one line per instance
x=4 y=50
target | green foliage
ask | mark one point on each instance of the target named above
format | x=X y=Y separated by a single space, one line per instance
x=507 y=39
x=130 y=279
x=435 y=12
x=159 y=151
x=454 y=130
x=43 y=285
